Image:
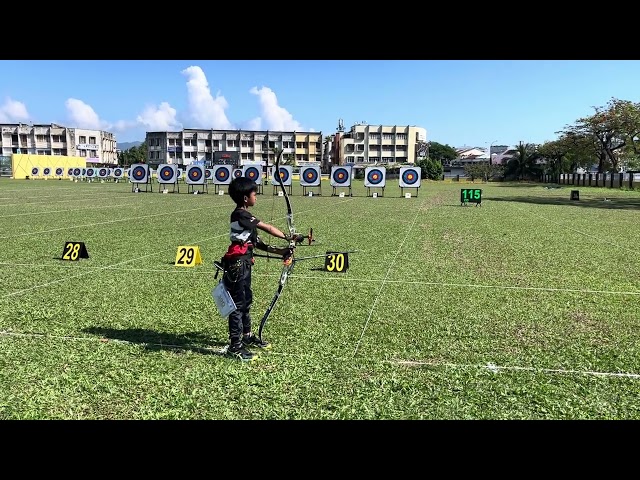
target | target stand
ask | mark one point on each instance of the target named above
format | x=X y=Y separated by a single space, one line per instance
x=191 y=188
x=288 y=188
x=335 y=192
x=369 y=193
x=163 y=186
x=402 y=189
x=147 y=187
x=305 y=190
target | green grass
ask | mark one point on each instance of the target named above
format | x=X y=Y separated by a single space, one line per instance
x=526 y=307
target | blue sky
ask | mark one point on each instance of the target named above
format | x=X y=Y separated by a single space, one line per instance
x=459 y=102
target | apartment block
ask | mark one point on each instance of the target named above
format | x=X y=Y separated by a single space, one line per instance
x=98 y=147
x=375 y=144
x=234 y=147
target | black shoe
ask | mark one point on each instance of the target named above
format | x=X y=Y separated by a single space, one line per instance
x=253 y=341
x=240 y=352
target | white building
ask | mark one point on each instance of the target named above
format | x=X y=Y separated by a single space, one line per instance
x=52 y=139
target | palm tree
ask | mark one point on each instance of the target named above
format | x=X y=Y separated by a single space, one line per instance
x=523 y=161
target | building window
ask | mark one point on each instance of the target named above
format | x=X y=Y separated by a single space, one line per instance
x=82 y=153
x=300 y=145
x=216 y=144
x=82 y=139
x=232 y=143
x=207 y=143
x=92 y=140
x=41 y=138
x=172 y=141
x=374 y=136
x=247 y=143
x=247 y=156
x=401 y=148
x=360 y=148
x=387 y=136
x=401 y=136
x=387 y=148
x=374 y=159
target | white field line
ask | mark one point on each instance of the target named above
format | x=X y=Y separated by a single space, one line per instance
x=165 y=271
x=566 y=227
x=90 y=207
x=126 y=219
x=76 y=198
x=53 y=282
x=384 y=281
x=493 y=368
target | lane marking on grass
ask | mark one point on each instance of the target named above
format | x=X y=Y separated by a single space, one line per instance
x=408 y=363
x=126 y=219
x=497 y=368
x=106 y=267
x=384 y=280
x=90 y=207
x=336 y=279
x=566 y=227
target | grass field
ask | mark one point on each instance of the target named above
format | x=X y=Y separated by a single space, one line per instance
x=526 y=307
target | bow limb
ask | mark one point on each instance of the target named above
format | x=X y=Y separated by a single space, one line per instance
x=288 y=266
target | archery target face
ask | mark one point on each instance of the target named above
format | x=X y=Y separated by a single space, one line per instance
x=71 y=171
x=310 y=176
x=103 y=172
x=374 y=177
x=340 y=176
x=35 y=171
x=139 y=173
x=253 y=172
x=222 y=174
x=59 y=171
x=237 y=173
x=77 y=172
x=118 y=172
x=195 y=175
x=167 y=174
x=286 y=174
x=208 y=173
x=90 y=172
x=46 y=171
x=409 y=177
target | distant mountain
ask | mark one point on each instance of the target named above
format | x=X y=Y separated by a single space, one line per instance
x=127 y=145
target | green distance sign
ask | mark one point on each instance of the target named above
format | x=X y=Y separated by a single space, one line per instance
x=470 y=195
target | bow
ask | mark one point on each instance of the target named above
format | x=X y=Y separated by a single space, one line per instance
x=289 y=262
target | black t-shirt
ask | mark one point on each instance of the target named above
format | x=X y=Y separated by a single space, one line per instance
x=243 y=234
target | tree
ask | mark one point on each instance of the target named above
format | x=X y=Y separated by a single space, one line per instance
x=523 y=162
x=430 y=169
x=445 y=154
x=611 y=128
x=483 y=170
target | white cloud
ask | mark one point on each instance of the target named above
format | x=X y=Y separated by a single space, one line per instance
x=84 y=116
x=253 y=124
x=275 y=117
x=205 y=110
x=159 y=119
x=13 y=111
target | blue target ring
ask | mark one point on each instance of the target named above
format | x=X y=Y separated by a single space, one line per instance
x=237 y=173
x=102 y=172
x=284 y=174
x=252 y=173
x=222 y=174
x=89 y=172
x=409 y=177
x=59 y=171
x=340 y=175
x=46 y=170
x=117 y=172
x=374 y=177
x=71 y=172
x=195 y=173
x=138 y=173
x=34 y=171
x=207 y=174
x=166 y=172
x=310 y=175
x=84 y=171
x=76 y=172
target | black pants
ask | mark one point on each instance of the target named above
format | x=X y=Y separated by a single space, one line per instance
x=237 y=280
